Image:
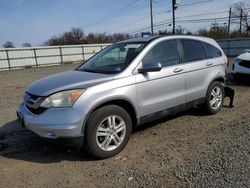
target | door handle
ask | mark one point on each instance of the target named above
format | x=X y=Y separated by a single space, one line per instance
x=178 y=70
x=209 y=64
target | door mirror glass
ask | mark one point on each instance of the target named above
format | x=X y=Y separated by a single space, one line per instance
x=150 y=67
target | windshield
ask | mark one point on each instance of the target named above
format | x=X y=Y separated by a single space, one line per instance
x=113 y=59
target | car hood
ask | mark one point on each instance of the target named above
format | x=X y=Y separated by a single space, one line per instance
x=244 y=56
x=66 y=80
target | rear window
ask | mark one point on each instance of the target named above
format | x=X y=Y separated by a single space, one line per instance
x=212 y=52
x=193 y=50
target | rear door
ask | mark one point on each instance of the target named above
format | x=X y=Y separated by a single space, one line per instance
x=201 y=60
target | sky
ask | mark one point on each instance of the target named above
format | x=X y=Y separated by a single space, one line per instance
x=35 y=21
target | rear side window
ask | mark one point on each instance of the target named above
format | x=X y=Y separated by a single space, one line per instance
x=165 y=53
x=193 y=50
x=212 y=52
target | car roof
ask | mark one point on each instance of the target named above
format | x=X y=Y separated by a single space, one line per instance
x=149 y=39
x=152 y=38
x=140 y=39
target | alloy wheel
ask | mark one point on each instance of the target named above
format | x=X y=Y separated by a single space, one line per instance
x=111 y=133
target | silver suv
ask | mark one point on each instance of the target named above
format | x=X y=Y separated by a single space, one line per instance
x=127 y=84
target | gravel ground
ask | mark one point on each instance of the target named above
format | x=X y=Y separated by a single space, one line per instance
x=188 y=149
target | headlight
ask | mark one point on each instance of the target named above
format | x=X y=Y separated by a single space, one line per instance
x=62 y=99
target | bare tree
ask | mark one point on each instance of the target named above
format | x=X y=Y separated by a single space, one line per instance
x=165 y=32
x=215 y=31
x=8 y=44
x=240 y=12
x=180 y=30
x=203 y=32
x=26 y=44
x=77 y=34
x=68 y=39
x=54 y=41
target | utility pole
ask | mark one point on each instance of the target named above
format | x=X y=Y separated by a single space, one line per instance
x=241 y=11
x=151 y=17
x=173 y=11
x=175 y=3
x=228 y=29
x=229 y=23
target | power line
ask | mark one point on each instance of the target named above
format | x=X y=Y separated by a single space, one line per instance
x=179 y=21
x=159 y=13
x=125 y=25
x=175 y=6
x=189 y=16
x=165 y=23
x=192 y=20
x=127 y=6
x=195 y=3
x=187 y=4
x=204 y=14
x=136 y=21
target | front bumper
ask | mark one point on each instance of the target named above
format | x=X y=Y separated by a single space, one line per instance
x=54 y=123
x=240 y=69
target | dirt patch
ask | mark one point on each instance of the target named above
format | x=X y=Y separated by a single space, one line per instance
x=189 y=149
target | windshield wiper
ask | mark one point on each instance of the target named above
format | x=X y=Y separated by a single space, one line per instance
x=89 y=70
x=98 y=71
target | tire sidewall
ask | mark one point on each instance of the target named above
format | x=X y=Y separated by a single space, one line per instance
x=93 y=123
x=210 y=110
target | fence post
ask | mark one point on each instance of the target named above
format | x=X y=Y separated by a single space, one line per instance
x=35 y=57
x=83 y=54
x=228 y=46
x=60 y=48
x=8 y=59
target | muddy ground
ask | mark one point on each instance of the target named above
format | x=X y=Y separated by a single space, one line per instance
x=189 y=149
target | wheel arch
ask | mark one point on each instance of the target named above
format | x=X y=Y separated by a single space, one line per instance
x=124 y=103
x=219 y=79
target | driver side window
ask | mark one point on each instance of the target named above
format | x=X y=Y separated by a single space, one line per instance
x=165 y=53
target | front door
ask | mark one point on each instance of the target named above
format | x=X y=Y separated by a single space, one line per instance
x=158 y=91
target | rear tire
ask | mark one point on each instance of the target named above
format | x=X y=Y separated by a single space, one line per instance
x=107 y=131
x=215 y=98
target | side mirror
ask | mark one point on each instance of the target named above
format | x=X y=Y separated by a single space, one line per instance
x=150 y=67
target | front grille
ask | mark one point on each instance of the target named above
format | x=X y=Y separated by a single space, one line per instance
x=244 y=63
x=36 y=111
x=33 y=102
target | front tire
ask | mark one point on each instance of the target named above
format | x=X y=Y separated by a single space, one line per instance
x=215 y=98
x=107 y=131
